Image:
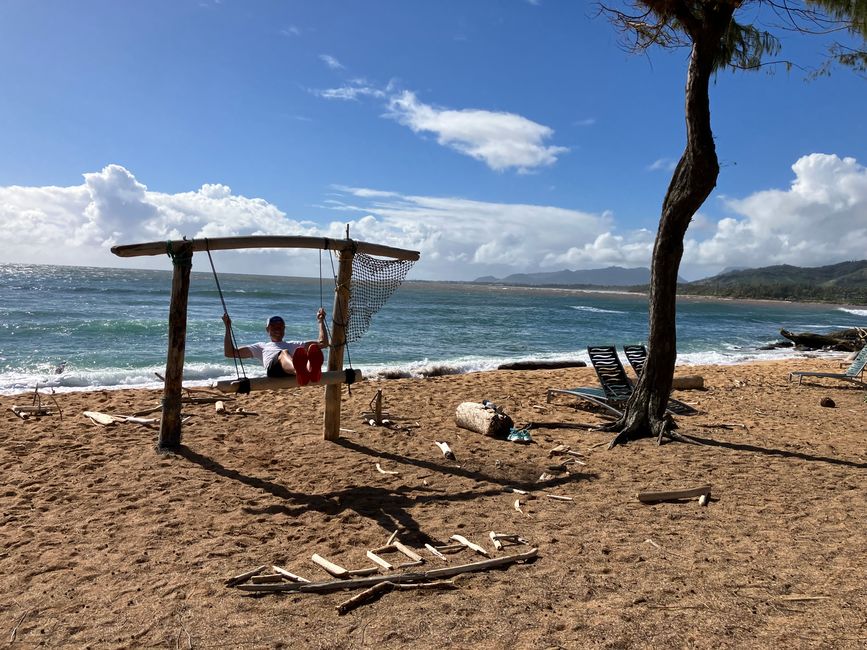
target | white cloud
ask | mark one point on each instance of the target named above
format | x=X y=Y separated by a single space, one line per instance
x=662 y=164
x=350 y=92
x=500 y=140
x=820 y=219
x=331 y=62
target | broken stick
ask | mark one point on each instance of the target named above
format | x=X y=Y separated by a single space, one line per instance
x=673 y=495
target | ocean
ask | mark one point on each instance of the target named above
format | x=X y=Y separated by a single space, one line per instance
x=82 y=328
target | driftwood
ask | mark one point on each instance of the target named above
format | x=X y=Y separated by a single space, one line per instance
x=399 y=578
x=541 y=365
x=377 y=590
x=688 y=382
x=673 y=495
x=850 y=340
x=484 y=420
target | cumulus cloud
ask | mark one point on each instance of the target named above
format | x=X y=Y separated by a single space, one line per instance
x=500 y=140
x=820 y=219
x=662 y=164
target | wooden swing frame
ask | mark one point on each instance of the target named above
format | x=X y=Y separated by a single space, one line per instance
x=181 y=252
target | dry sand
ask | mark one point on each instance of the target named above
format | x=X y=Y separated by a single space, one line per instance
x=106 y=543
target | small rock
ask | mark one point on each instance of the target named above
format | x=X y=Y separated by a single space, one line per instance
x=827 y=402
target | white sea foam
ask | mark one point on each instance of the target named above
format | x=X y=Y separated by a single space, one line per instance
x=856 y=312
x=596 y=310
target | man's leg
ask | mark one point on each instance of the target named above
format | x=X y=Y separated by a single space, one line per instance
x=296 y=364
x=314 y=362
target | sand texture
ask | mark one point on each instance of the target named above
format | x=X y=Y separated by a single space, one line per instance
x=106 y=543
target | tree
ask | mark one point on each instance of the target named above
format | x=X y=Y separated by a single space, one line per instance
x=716 y=40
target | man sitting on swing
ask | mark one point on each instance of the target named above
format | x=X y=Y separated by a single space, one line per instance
x=283 y=358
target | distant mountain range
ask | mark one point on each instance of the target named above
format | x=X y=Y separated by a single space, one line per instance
x=612 y=276
x=843 y=282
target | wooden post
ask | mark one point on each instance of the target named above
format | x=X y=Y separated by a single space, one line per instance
x=170 y=424
x=339 y=321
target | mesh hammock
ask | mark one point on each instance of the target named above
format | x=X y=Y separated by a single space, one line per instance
x=373 y=282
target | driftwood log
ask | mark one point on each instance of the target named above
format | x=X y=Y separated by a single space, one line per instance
x=849 y=340
x=541 y=365
x=476 y=417
x=688 y=382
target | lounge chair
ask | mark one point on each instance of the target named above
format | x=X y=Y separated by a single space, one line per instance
x=854 y=373
x=616 y=386
x=637 y=357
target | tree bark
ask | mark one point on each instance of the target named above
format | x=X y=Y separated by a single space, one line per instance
x=692 y=182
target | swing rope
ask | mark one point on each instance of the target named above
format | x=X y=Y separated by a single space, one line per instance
x=240 y=373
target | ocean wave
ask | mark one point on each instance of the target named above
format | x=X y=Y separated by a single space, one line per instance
x=206 y=374
x=597 y=310
x=856 y=312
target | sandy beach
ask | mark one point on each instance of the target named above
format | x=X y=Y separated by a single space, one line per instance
x=106 y=543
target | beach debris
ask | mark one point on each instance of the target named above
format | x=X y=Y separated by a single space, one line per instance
x=516 y=490
x=485 y=418
x=517 y=506
x=497 y=539
x=435 y=551
x=688 y=382
x=291 y=577
x=395 y=546
x=703 y=499
x=558 y=497
x=220 y=407
x=338 y=571
x=545 y=477
x=673 y=495
x=397 y=578
x=564 y=450
x=110 y=419
x=521 y=435
x=460 y=539
x=376 y=591
x=375 y=417
x=238 y=579
x=27 y=412
x=447 y=451
x=384 y=471
x=827 y=402
x=392 y=537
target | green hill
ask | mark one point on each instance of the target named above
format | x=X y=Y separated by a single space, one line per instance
x=843 y=282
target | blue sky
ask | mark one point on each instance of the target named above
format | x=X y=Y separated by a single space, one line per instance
x=495 y=136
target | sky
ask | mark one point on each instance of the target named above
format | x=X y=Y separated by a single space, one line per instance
x=493 y=136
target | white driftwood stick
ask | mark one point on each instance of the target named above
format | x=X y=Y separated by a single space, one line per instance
x=288 y=574
x=400 y=578
x=436 y=552
x=219 y=406
x=670 y=495
x=238 y=579
x=496 y=541
x=382 y=471
x=460 y=539
x=559 y=498
x=334 y=569
x=385 y=564
x=518 y=506
x=391 y=538
x=100 y=418
x=412 y=555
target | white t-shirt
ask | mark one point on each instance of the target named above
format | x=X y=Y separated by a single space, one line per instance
x=268 y=351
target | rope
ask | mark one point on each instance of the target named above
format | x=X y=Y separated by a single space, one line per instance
x=242 y=374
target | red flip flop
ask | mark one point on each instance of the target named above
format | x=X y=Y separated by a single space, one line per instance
x=314 y=362
x=299 y=361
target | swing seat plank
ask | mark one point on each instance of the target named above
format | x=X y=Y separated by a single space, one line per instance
x=278 y=383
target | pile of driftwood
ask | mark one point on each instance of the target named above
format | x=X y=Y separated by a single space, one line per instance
x=848 y=340
x=374 y=586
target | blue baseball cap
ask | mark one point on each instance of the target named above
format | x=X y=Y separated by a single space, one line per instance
x=273 y=320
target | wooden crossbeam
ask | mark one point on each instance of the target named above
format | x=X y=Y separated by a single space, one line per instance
x=264 y=241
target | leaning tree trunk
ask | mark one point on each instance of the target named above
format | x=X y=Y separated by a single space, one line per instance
x=692 y=182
